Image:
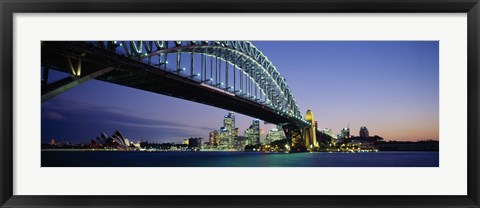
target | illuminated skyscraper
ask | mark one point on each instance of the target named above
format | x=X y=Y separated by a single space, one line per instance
x=253 y=132
x=213 y=138
x=364 y=132
x=228 y=132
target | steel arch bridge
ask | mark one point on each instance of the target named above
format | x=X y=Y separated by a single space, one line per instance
x=235 y=69
x=258 y=79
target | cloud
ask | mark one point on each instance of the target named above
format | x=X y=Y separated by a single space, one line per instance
x=54 y=115
x=76 y=121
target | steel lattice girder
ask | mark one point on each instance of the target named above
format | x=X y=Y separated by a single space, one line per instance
x=242 y=54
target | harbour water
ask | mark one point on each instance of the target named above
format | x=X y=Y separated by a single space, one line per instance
x=237 y=159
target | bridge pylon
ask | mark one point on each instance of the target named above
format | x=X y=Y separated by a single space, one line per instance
x=302 y=138
x=310 y=132
x=295 y=137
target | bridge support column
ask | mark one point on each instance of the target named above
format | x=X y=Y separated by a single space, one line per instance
x=310 y=132
x=295 y=136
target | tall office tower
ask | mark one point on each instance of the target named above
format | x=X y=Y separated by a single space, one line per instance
x=253 y=132
x=213 y=138
x=228 y=132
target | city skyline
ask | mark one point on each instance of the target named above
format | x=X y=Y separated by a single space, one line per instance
x=382 y=85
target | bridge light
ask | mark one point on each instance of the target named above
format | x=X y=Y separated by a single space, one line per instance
x=114 y=42
x=198 y=74
x=221 y=83
x=121 y=44
x=166 y=62
x=211 y=79
x=183 y=69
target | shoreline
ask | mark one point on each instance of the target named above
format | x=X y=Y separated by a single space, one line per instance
x=115 y=150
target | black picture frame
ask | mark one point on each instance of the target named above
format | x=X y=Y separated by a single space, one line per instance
x=9 y=7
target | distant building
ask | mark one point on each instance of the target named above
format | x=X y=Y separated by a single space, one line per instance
x=195 y=143
x=192 y=143
x=339 y=136
x=52 y=142
x=213 y=137
x=185 y=141
x=120 y=139
x=240 y=142
x=345 y=133
x=117 y=140
x=274 y=135
x=228 y=132
x=200 y=142
x=364 y=132
x=137 y=145
x=316 y=125
x=253 y=132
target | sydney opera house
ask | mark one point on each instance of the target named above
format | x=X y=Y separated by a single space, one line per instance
x=117 y=140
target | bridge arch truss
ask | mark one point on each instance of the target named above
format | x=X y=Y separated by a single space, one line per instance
x=235 y=67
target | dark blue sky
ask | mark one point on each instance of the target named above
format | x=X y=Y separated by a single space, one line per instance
x=390 y=87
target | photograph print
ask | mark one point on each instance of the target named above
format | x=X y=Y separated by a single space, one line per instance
x=197 y=103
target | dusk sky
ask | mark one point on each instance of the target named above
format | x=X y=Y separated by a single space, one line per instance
x=391 y=87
